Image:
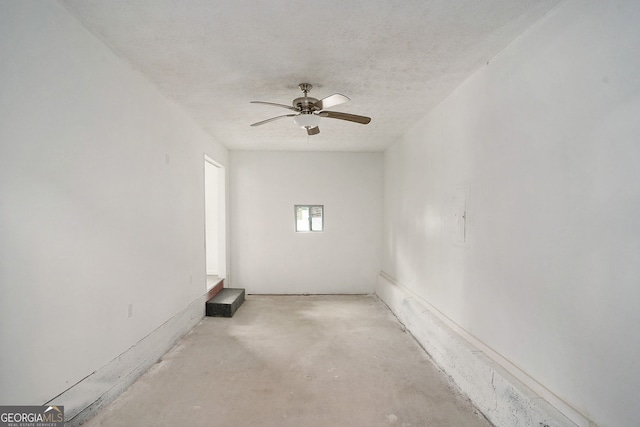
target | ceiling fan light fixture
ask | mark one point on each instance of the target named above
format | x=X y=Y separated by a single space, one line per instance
x=307 y=120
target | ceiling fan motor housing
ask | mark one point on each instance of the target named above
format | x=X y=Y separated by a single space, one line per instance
x=305 y=103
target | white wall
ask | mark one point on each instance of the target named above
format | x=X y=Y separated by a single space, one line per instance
x=544 y=141
x=270 y=257
x=102 y=204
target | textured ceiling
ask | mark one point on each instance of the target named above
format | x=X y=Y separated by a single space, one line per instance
x=395 y=59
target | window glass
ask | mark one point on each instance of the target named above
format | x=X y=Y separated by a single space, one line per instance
x=316 y=218
x=309 y=218
x=302 y=218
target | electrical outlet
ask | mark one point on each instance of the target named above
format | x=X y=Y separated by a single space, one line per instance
x=130 y=310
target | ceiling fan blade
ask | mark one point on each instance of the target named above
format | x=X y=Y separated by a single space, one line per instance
x=273 y=118
x=344 y=116
x=277 y=105
x=331 y=101
x=313 y=131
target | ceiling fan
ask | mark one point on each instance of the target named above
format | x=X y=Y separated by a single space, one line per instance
x=309 y=110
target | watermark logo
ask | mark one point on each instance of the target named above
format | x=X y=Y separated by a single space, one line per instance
x=32 y=416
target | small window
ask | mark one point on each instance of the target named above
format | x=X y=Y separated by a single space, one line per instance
x=309 y=218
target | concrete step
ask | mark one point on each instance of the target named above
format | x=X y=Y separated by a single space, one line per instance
x=225 y=303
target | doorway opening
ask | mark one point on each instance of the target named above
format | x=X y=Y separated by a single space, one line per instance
x=215 y=221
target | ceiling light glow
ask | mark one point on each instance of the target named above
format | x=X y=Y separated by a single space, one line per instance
x=307 y=121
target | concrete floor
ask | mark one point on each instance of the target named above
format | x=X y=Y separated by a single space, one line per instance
x=300 y=361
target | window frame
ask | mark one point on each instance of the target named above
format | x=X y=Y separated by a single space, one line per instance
x=310 y=230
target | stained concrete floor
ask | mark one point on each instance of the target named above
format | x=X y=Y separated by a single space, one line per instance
x=302 y=361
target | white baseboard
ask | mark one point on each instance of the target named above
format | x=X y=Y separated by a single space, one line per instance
x=85 y=398
x=501 y=391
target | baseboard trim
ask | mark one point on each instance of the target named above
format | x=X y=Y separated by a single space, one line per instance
x=85 y=398
x=493 y=387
